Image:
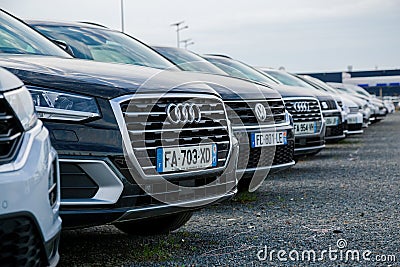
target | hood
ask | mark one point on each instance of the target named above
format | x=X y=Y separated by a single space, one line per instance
x=296 y=91
x=377 y=102
x=359 y=101
x=109 y=80
x=349 y=103
x=8 y=81
x=232 y=88
x=97 y=79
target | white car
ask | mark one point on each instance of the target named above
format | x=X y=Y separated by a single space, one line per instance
x=354 y=117
x=29 y=181
x=376 y=105
x=365 y=107
x=389 y=106
x=351 y=113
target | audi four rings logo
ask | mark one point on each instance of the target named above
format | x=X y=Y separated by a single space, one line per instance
x=183 y=113
x=302 y=106
x=260 y=111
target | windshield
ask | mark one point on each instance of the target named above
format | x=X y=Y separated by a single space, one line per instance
x=342 y=89
x=288 y=79
x=239 y=70
x=105 y=45
x=319 y=84
x=189 y=61
x=18 y=38
x=358 y=90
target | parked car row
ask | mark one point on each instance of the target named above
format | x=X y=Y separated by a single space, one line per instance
x=118 y=132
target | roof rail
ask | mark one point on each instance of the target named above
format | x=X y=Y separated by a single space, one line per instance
x=93 y=23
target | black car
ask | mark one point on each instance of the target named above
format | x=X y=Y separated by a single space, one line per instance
x=138 y=147
x=284 y=151
x=309 y=126
x=354 y=117
x=94 y=42
x=332 y=113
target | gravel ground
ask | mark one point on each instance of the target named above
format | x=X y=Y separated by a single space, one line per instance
x=349 y=192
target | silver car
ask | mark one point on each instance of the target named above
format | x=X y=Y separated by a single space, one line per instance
x=29 y=181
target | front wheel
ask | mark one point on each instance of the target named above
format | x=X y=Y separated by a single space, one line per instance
x=155 y=226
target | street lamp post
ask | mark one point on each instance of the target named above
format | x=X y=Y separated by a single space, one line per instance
x=187 y=42
x=122 y=16
x=178 y=29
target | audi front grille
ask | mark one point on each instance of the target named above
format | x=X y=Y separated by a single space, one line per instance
x=308 y=112
x=242 y=113
x=10 y=132
x=353 y=110
x=146 y=121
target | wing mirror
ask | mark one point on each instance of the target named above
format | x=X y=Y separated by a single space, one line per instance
x=64 y=45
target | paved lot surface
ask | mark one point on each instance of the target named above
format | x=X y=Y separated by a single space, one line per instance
x=346 y=199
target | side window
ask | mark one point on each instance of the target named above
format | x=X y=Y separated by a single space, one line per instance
x=74 y=39
x=10 y=44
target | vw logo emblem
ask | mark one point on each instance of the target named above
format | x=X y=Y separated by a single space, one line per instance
x=183 y=113
x=260 y=111
x=302 y=106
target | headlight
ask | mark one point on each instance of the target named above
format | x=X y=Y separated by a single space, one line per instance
x=21 y=102
x=57 y=105
x=346 y=109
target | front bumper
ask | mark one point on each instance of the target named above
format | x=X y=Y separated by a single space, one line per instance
x=356 y=125
x=108 y=192
x=264 y=159
x=381 y=114
x=29 y=176
x=310 y=144
x=334 y=133
x=130 y=201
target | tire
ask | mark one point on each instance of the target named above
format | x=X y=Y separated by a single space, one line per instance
x=155 y=226
x=243 y=185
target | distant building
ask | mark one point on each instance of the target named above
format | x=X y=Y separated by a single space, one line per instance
x=379 y=82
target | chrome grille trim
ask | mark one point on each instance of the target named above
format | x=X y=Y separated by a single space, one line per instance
x=144 y=170
x=353 y=110
x=247 y=119
x=315 y=113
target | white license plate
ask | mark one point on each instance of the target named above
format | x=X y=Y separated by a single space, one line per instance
x=186 y=158
x=268 y=139
x=305 y=127
x=332 y=121
x=353 y=120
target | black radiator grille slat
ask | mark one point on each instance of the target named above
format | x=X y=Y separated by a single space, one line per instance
x=75 y=182
x=261 y=157
x=335 y=130
x=149 y=128
x=354 y=127
x=20 y=243
x=10 y=132
x=243 y=113
x=314 y=113
x=353 y=109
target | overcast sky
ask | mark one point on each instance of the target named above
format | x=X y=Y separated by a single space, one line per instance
x=301 y=35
